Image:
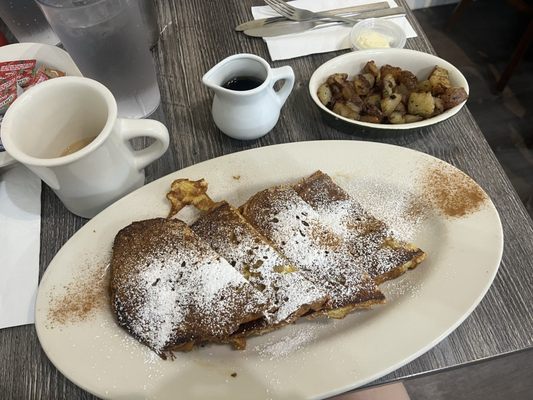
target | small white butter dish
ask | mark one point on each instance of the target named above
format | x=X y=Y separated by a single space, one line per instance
x=376 y=33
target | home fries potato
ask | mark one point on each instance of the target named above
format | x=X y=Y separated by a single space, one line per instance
x=390 y=95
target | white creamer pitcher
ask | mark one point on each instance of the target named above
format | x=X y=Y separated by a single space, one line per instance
x=247 y=113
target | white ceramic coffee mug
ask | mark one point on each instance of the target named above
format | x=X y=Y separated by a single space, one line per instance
x=63 y=112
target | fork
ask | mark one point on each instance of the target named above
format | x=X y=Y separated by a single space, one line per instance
x=300 y=14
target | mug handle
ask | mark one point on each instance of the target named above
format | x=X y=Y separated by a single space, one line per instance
x=129 y=129
x=283 y=73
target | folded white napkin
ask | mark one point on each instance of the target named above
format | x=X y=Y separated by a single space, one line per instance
x=321 y=40
x=20 y=229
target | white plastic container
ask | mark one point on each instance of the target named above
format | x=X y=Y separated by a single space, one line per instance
x=376 y=33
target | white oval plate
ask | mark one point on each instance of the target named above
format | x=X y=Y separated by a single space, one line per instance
x=311 y=359
x=419 y=63
x=51 y=56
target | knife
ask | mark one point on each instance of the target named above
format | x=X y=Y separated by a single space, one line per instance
x=259 y=23
x=289 y=27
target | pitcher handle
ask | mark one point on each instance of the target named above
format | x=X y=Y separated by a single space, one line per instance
x=286 y=74
x=132 y=128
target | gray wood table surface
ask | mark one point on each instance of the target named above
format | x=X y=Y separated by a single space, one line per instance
x=198 y=34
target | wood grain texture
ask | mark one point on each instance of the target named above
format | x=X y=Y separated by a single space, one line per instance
x=196 y=35
x=506 y=377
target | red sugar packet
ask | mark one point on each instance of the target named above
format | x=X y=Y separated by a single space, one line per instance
x=16 y=66
x=2 y=148
x=22 y=69
x=7 y=82
x=40 y=76
x=7 y=98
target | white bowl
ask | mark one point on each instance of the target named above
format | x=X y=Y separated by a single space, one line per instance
x=419 y=63
x=51 y=56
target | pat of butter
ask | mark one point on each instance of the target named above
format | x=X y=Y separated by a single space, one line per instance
x=371 y=40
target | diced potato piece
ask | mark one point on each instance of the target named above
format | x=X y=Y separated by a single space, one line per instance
x=355 y=107
x=401 y=108
x=337 y=78
x=408 y=79
x=362 y=84
x=439 y=80
x=324 y=94
x=371 y=79
x=388 y=84
x=424 y=86
x=453 y=97
x=396 y=118
x=439 y=106
x=388 y=104
x=348 y=92
x=390 y=70
x=402 y=90
x=370 y=118
x=345 y=111
x=371 y=68
x=373 y=110
x=373 y=99
x=412 y=118
x=421 y=104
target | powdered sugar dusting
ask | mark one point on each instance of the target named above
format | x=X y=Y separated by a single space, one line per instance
x=401 y=210
x=281 y=348
x=368 y=238
x=296 y=230
x=401 y=287
x=176 y=289
x=286 y=288
x=160 y=312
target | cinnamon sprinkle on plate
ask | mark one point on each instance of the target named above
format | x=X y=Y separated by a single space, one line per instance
x=452 y=192
x=80 y=298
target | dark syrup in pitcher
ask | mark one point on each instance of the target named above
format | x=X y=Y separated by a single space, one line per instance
x=242 y=83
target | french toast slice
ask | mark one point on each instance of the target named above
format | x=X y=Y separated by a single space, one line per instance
x=367 y=237
x=290 y=293
x=171 y=290
x=295 y=230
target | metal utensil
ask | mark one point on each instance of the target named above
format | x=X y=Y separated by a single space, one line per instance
x=289 y=27
x=300 y=14
x=345 y=11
